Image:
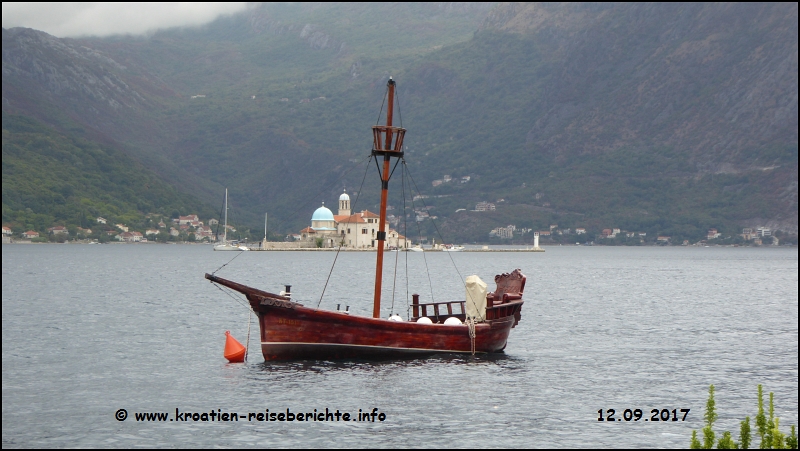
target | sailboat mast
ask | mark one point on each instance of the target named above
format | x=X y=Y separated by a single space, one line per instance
x=225 y=228
x=383 y=145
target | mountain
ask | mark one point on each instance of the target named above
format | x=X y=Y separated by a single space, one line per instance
x=53 y=178
x=669 y=118
x=666 y=118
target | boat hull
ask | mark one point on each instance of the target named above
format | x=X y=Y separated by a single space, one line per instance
x=227 y=247
x=290 y=331
x=303 y=333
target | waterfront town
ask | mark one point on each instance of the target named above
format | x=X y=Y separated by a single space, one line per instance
x=359 y=230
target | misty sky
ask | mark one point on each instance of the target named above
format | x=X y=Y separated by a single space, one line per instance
x=104 y=19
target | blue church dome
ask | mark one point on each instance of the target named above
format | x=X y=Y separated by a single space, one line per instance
x=322 y=214
x=344 y=196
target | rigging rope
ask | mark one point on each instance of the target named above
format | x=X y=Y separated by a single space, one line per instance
x=226 y=264
x=311 y=199
x=380 y=112
x=358 y=194
x=329 y=276
x=449 y=254
x=247 y=306
x=419 y=232
x=397 y=96
x=405 y=233
x=394 y=277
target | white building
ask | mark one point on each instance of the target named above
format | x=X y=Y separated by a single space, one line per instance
x=188 y=219
x=503 y=232
x=129 y=237
x=359 y=230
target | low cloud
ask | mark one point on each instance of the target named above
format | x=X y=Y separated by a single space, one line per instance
x=105 y=19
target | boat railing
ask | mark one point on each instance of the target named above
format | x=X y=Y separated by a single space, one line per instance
x=437 y=313
x=506 y=300
x=504 y=309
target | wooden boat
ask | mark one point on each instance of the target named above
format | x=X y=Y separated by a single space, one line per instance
x=291 y=331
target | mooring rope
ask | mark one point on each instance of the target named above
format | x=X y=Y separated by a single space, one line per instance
x=247 y=346
x=471 y=326
x=249 y=316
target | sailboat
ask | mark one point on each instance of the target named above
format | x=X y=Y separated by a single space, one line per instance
x=224 y=245
x=480 y=323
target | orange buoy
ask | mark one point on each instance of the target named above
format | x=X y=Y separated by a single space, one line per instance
x=234 y=351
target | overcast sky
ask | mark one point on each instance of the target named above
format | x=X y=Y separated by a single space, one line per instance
x=104 y=19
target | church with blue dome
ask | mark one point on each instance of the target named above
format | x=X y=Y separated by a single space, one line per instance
x=322 y=220
x=357 y=230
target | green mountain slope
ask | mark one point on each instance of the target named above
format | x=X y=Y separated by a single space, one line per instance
x=668 y=118
x=53 y=179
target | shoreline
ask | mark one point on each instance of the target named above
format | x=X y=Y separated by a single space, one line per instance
x=303 y=249
x=316 y=249
x=296 y=249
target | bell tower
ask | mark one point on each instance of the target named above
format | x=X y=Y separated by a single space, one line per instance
x=344 y=204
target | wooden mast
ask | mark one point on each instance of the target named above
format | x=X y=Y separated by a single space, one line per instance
x=388 y=142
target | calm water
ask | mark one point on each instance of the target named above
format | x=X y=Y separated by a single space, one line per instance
x=88 y=330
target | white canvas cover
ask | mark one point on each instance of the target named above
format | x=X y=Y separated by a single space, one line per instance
x=476 y=298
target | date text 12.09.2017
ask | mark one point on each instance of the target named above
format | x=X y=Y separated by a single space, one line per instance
x=636 y=415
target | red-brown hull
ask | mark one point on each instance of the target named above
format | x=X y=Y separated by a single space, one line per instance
x=304 y=333
x=290 y=331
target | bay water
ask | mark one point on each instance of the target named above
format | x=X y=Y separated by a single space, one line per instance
x=89 y=330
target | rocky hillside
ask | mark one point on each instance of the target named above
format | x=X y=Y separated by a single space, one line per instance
x=718 y=80
x=671 y=118
x=682 y=111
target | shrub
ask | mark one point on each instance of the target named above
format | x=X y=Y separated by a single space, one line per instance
x=768 y=428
